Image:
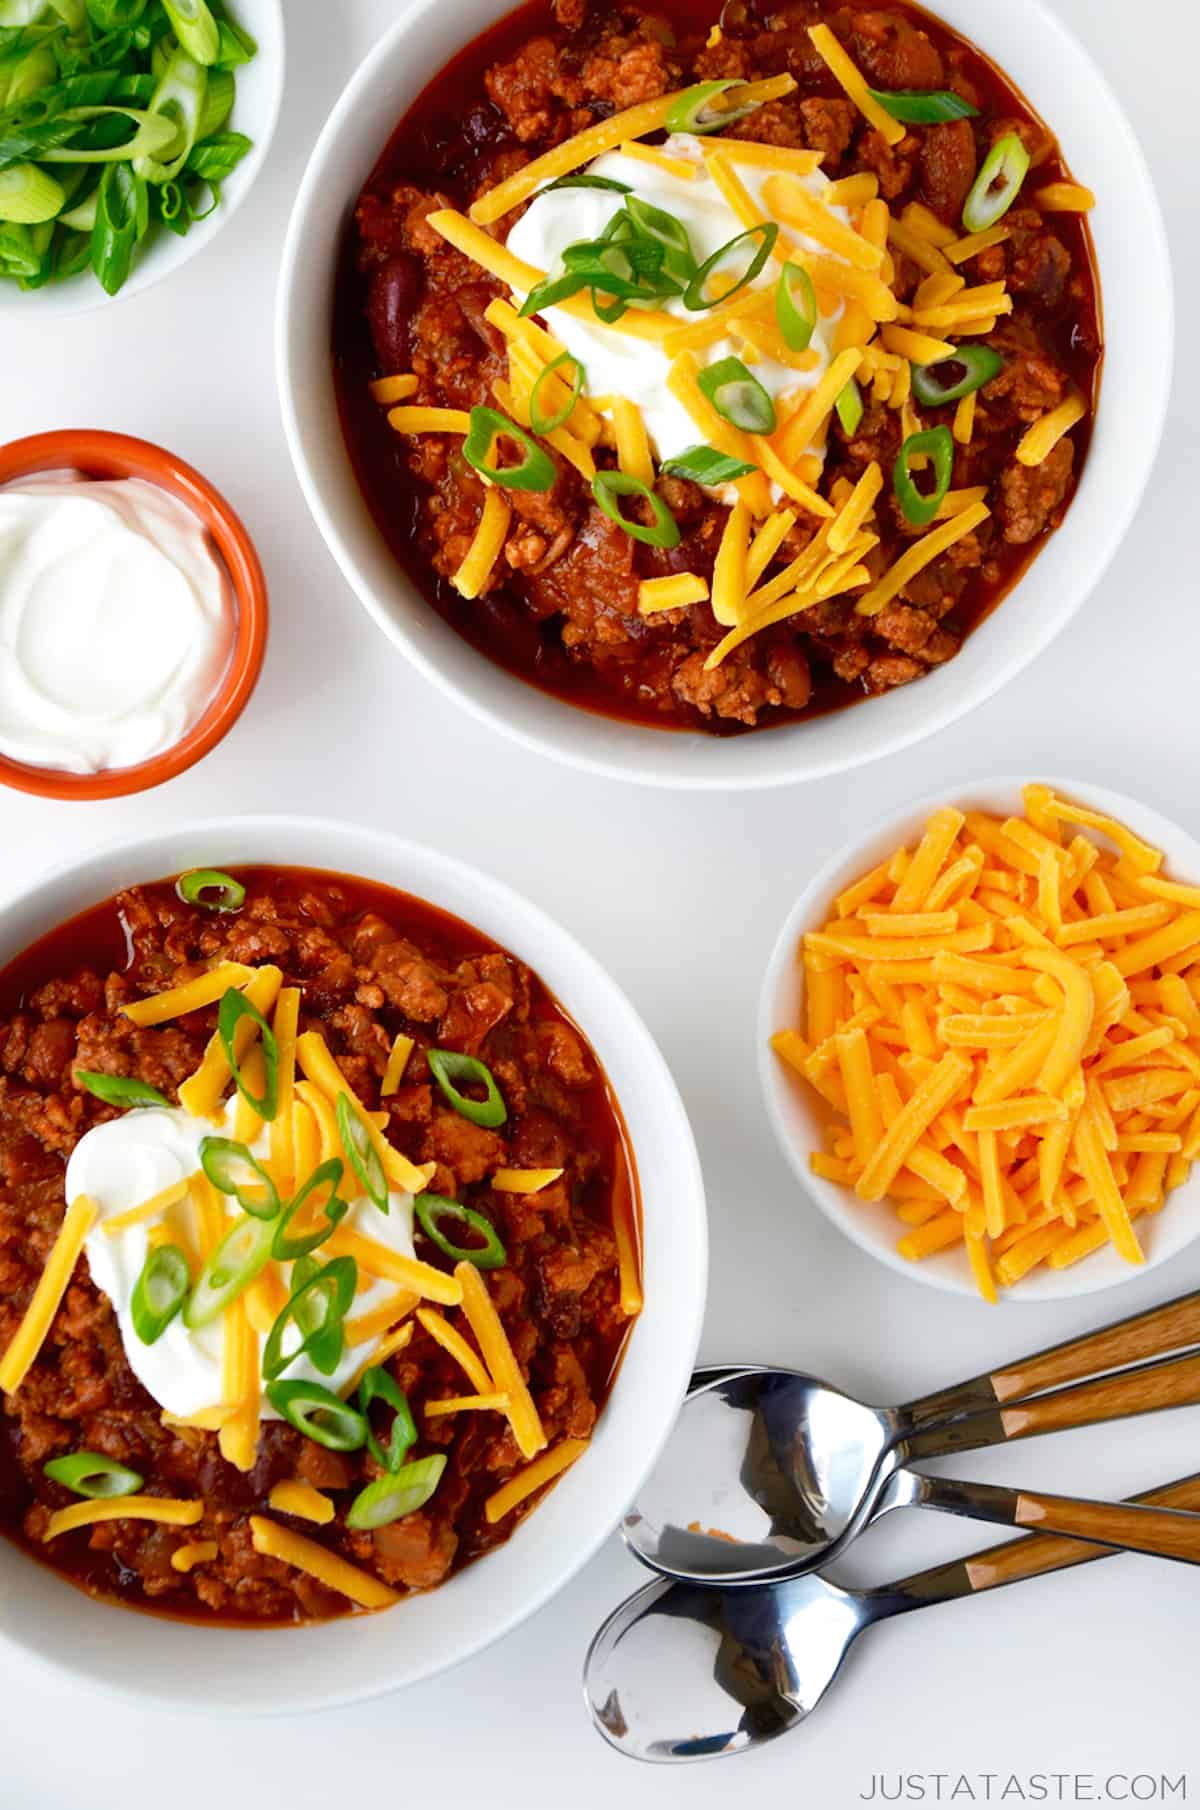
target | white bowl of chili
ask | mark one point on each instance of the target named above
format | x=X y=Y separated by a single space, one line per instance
x=1039 y=54
x=800 y=1118
x=214 y=1667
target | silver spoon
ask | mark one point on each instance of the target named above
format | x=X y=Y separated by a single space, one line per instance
x=770 y=1473
x=682 y=1673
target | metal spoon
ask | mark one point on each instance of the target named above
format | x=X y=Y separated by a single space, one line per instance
x=683 y=1673
x=770 y=1472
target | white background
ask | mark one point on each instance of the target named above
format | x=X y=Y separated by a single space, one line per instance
x=1092 y=1673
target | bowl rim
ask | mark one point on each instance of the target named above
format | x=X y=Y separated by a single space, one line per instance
x=494 y=898
x=947 y=1271
x=643 y=755
x=97 y=453
x=75 y=296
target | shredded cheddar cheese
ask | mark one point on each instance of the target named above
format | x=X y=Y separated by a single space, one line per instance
x=52 y=1285
x=303 y=1501
x=1040 y=440
x=525 y=1181
x=658 y=594
x=506 y=1376
x=170 y=1511
x=1001 y=1096
x=463 y=1404
x=196 y=1552
x=534 y=1477
x=486 y=547
x=275 y=1542
x=390 y=390
x=191 y=996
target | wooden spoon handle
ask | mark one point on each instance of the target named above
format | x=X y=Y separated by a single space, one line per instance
x=1164 y=1533
x=1174 y=1383
x=1148 y=1335
x=1043 y=1553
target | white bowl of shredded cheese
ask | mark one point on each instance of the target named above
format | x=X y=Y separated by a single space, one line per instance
x=1058 y=77
x=799 y=1117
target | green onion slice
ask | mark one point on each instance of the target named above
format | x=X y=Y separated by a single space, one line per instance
x=233 y=1008
x=920 y=506
x=241 y=1256
x=180 y=98
x=225 y=1163
x=694 y=110
x=546 y=424
x=432 y=1208
x=364 y=1158
x=850 y=407
x=120 y=1090
x=93 y=1475
x=290 y=1250
x=997 y=185
x=195 y=28
x=319 y=1414
x=550 y=293
x=950 y=379
x=227 y=894
x=318 y=1307
x=916 y=107
x=739 y=397
x=537 y=470
x=766 y=233
x=159 y=1292
x=29 y=196
x=585 y=181
x=389 y=1499
x=450 y=1066
x=379 y=1385
x=707 y=465
x=608 y=487
x=661 y=228
x=796 y=306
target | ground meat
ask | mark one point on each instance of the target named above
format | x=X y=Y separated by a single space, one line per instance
x=1031 y=495
x=561 y=604
x=371 y=964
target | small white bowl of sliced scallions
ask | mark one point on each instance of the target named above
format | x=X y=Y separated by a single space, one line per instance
x=130 y=131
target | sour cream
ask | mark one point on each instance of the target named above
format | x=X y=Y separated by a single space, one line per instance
x=129 y=1160
x=615 y=362
x=117 y=621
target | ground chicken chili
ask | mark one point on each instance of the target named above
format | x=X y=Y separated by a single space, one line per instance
x=943 y=286
x=446 y=1361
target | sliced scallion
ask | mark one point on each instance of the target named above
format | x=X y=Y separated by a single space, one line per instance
x=707 y=465
x=319 y=1414
x=241 y=1256
x=159 y=1292
x=289 y=1249
x=697 y=110
x=536 y=471
x=432 y=1209
x=195 y=28
x=232 y=1168
x=209 y=887
x=450 y=1066
x=94 y=1475
x=541 y=422
x=918 y=107
x=389 y=1499
x=739 y=397
x=364 y=1158
x=120 y=1090
x=233 y=1008
x=379 y=1385
x=318 y=1307
x=997 y=185
x=796 y=306
x=920 y=506
x=696 y=295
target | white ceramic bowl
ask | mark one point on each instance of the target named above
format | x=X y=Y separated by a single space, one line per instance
x=256 y=111
x=792 y=1108
x=1038 y=51
x=185 y=1664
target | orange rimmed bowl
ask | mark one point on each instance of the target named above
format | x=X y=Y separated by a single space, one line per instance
x=98 y=454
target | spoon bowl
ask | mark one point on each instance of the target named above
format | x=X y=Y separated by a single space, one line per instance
x=767 y=1471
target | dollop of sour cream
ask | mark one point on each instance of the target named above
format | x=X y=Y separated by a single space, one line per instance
x=618 y=364
x=117 y=620
x=129 y=1160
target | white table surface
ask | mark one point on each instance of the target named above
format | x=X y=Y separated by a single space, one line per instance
x=1091 y=1674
